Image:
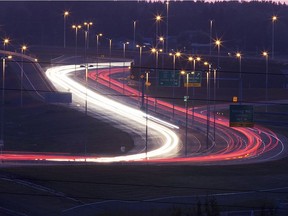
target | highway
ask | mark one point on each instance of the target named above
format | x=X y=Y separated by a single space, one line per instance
x=231 y=146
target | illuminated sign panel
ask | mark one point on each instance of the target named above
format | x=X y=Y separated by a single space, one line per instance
x=241 y=116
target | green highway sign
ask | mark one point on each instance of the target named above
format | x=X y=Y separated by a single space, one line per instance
x=195 y=79
x=169 y=78
x=241 y=116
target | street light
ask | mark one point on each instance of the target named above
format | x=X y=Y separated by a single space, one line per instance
x=140 y=65
x=97 y=52
x=23 y=49
x=239 y=56
x=167 y=22
x=158 y=19
x=208 y=100
x=156 y=51
x=124 y=56
x=266 y=55
x=110 y=52
x=97 y=42
x=76 y=27
x=65 y=14
x=88 y=24
x=186 y=99
x=274 y=19
x=210 y=47
x=177 y=54
x=5 y=42
x=218 y=44
x=134 y=33
x=162 y=40
x=3 y=100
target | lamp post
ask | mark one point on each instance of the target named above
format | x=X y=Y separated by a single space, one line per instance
x=5 y=42
x=97 y=52
x=210 y=47
x=186 y=99
x=97 y=43
x=162 y=40
x=274 y=19
x=177 y=54
x=23 y=49
x=140 y=65
x=65 y=15
x=208 y=101
x=239 y=56
x=110 y=53
x=76 y=27
x=218 y=44
x=158 y=19
x=88 y=24
x=134 y=33
x=266 y=55
x=124 y=56
x=3 y=100
x=167 y=22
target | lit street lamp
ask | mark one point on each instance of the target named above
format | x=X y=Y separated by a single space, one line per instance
x=210 y=45
x=97 y=52
x=88 y=24
x=266 y=55
x=239 y=56
x=124 y=56
x=3 y=100
x=177 y=54
x=218 y=44
x=23 y=49
x=158 y=19
x=134 y=33
x=76 y=27
x=140 y=65
x=5 y=42
x=186 y=99
x=65 y=15
x=274 y=19
x=208 y=101
x=110 y=52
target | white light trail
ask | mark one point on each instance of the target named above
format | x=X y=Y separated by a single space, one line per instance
x=61 y=79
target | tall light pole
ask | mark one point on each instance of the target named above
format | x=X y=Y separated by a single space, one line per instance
x=167 y=22
x=110 y=56
x=177 y=54
x=218 y=44
x=162 y=40
x=210 y=47
x=76 y=27
x=158 y=19
x=97 y=52
x=156 y=52
x=23 y=49
x=274 y=19
x=124 y=56
x=266 y=55
x=3 y=100
x=208 y=101
x=186 y=99
x=239 y=56
x=88 y=24
x=65 y=15
x=140 y=65
x=134 y=33
x=5 y=42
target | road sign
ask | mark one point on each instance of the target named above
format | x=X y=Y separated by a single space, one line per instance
x=195 y=79
x=169 y=78
x=241 y=116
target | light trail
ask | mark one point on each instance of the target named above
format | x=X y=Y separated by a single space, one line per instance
x=240 y=145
